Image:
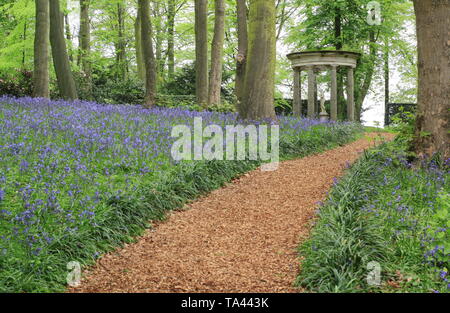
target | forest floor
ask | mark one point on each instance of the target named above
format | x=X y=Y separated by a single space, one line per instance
x=240 y=238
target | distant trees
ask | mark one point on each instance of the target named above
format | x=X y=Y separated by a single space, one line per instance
x=40 y=74
x=433 y=43
x=133 y=45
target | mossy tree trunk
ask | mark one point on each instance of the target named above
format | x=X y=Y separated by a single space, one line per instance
x=121 y=55
x=201 y=52
x=170 y=39
x=138 y=46
x=85 y=46
x=433 y=44
x=215 y=78
x=147 y=52
x=258 y=98
x=241 y=58
x=41 y=40
x=61 y=62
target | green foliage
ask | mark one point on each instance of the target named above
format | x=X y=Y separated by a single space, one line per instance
x=183 y=83
x=19 y=83
x=439 y=231
x=404 y=124
x=386 y=211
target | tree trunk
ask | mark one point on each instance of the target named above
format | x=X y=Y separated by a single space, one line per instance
x=215 y=79
x=24 y=38
x=68 y=36
x=61 y=62
x=121 y=42
x=364 y=88
x=201 y=52
x=40 y=74
x=170 y=39
x=260 y=69
x=138 y=43
x=433 y=44
x=158 y=39
x=241 y=58
x=386 y=82
x=147 y=52
x=85 y=47
x=337 y=28
x=342 y=111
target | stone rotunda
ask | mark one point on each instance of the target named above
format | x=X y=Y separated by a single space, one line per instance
x=314 y=62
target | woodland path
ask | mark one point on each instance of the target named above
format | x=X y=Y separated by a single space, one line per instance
x=240 y=238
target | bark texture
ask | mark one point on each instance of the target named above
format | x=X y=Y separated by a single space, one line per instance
x=85 y=46
x=41 y=40
x=433 y=43
x=170 y=39
x=138 y=44
x=201 y=52
x=260 y=69
x=215 y=78
x=147 y=51
x=61 y=62
x=386 y=81
x=241 y=58
x=367 y=80
x=121 y=56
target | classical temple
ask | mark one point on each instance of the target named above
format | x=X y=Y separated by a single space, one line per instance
x=328 y=60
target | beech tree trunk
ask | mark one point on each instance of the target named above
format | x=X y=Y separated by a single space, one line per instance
x=138 y=45
x=201 y=52
x=41 y=39
x=170 y=39
x=386 y=81
x=367 y=81
x=260 y=69
x=85 y=46
x=215 y=79
x=342 y=111
x=158 y=39
x=147 y=52
x=433 y=44
x=61 y=62
x=121 y=42
x=241 y=58
x=68 y=36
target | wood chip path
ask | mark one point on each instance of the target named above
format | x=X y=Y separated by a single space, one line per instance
x=241 y=238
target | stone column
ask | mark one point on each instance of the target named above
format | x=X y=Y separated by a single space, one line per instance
x=350 y=95
x=333 y=100
x=297 y=103
x=311 y=99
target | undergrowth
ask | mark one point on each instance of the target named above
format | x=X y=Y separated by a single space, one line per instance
x=384 y=210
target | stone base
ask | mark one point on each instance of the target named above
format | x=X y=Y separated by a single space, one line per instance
x=324 y=117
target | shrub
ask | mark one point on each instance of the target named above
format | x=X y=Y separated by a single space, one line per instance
x=17 y=84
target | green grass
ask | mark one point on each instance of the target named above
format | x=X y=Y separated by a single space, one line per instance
x=382 y=210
